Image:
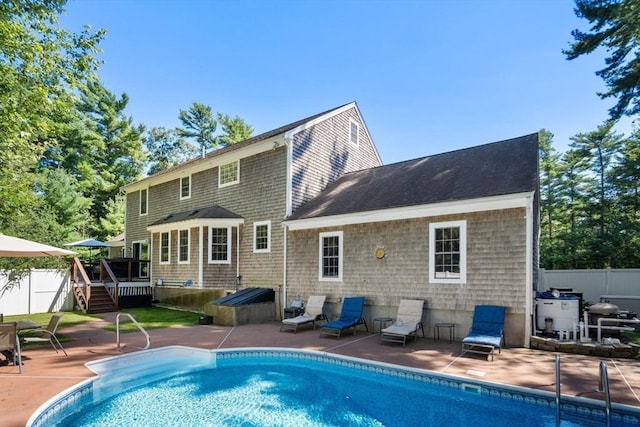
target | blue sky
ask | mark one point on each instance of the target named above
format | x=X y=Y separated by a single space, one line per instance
x=429 y=76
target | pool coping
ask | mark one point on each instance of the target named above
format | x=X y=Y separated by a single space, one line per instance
x=191 y=359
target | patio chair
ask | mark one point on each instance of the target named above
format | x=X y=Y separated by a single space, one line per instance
x=10 y=344
x=49 y=334
x=350 y=317
x=408 y=321
x=313 y=311
x=487 y=330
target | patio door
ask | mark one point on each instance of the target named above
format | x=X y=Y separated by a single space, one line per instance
x=140 y=251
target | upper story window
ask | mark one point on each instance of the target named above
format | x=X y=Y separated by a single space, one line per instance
x=144 y=201
x=262 y=236
x=220 y=245
x=185 y=187
x=330 y=256
x=165 y=244
x=183 y=246
x=228 y=174
x=448 y=252
x=354 y=132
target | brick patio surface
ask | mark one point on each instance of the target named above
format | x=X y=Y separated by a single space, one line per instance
x=47 y=373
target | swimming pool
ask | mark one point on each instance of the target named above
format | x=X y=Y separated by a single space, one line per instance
x=268 y=386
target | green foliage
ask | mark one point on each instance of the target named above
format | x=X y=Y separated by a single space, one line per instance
x=615 y=27
x=234 y=129
x=166 y=149
x=41 y=68
x=589 y=202
x=113 y=222
x=199 y=125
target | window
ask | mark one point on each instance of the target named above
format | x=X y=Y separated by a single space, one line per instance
x=262 y=236
x=183 y=246
x=144 y=200
x=448 y=252
x=228 y=174
x=164 y=248
x=354 y=130
x=220 y=245
x=331 y=256
x=185 y=187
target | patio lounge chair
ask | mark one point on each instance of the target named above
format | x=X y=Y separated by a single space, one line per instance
x=10 y=344
x=350 y=317
x=313 y=311
x=49 y=334
x=487 y=330
x=408 y=321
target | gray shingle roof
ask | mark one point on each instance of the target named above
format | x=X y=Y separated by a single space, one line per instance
x=211 y=212
x=499 y=168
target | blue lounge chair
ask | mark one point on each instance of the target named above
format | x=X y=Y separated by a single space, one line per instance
x=350 y=317
x=487 y=330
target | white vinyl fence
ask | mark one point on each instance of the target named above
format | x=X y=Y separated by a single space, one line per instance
x=620 y=286
x=40 y=291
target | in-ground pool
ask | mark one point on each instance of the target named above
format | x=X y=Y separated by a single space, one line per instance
x=182 y=386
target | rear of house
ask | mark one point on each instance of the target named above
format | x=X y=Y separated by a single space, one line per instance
x=456 y=229
x=216 y=222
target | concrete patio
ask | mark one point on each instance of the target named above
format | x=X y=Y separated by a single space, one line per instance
x=47 y=373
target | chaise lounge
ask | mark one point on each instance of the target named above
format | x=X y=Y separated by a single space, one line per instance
x=487 y=330
x=350 y=317
x=313 y=311
x=408 y=321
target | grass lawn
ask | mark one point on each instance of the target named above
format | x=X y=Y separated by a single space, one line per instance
x=147 y=317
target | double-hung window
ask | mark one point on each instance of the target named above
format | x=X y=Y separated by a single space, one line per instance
x=354 y=132
x=330 y=256
x=183 y=246
x=144 y=201
x=448 y=252
x=165 y=245
x=228 y=174
x=185 y=187
x=262 y=236
x=220 y=245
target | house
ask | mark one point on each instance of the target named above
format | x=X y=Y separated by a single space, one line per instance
x=216 y=222
x=309 y=208
x=457 y=229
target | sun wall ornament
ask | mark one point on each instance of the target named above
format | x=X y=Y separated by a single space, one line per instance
x=380 y=253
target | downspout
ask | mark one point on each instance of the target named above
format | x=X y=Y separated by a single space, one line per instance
x=237 y=254
x=200 y=255
x=284 y=271
x=529 y=272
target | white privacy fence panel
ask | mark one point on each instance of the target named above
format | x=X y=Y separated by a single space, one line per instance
x=40 y=291
x=595 y=283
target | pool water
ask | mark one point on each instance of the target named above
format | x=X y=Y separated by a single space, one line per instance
x=318 y=390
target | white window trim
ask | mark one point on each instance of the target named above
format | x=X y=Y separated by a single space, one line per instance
x=168 y=261
x=357 y=142
x=229 y=243
x=188 y=260
x=188 y=196
x=340 y=236
x=146 y=193
x=463 y=251
x=255 y=227
x=226 y=184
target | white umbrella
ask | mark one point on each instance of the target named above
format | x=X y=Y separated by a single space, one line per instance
x=14 y=247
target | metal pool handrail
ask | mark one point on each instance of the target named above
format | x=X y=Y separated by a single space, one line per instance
x=603 y=387
x=137 y=325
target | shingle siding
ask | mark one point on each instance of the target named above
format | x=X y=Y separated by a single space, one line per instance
x=496 y=264
x=323 y=153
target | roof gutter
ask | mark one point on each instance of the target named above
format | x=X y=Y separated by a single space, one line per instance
x=509 y=201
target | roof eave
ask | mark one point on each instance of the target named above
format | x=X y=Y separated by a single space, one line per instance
x=508 y=201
